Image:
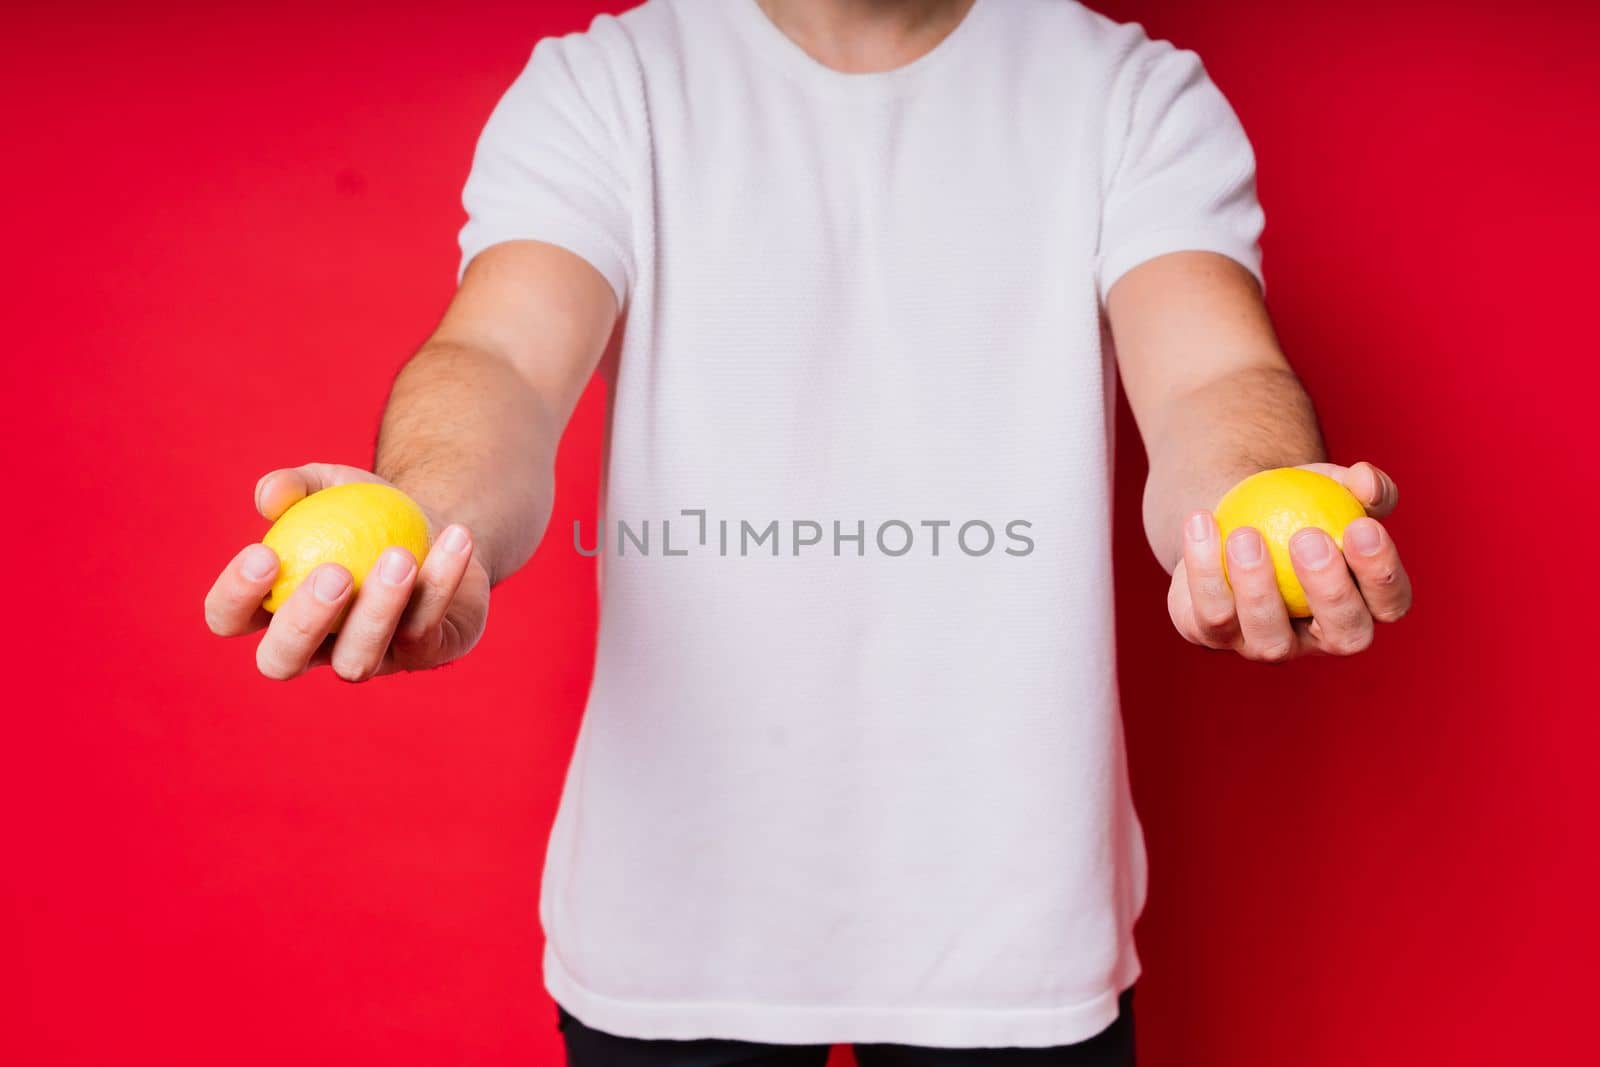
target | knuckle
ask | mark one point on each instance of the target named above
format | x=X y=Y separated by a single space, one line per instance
x=1274 y=651
x=1257 y=594
x=227 y=610
x=419 y=636
x=1343 y=619
x=1260 y=613
x=1384 y=576
x=425 y=610
x=353 y=669
x=368 y=633
x=1339 y=594
x=273 y=664
x=1214 y=616
x=1349 y=643
x=1392 y=612
x=1195 y=631
x=300 y=629
x=363 y=640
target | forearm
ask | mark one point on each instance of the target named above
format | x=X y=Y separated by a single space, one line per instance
x=1212 y=436
x=470 y=439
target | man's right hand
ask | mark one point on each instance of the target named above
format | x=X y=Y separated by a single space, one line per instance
x=406 y=617
x=484 y=401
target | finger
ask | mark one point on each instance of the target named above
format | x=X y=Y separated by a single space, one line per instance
x=302 y=622
x=364 y=638
x=1264 y=627
x=1374 y=560
x=437 y=583
x=1341 y=624
x=233 y=606
x=1375 y=489
x=277 y=490
x=1211 y=601
x=323 y=657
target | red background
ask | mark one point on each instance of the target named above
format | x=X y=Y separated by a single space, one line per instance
x=231 y=224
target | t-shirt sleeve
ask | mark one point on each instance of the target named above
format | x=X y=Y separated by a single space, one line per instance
x=1185 y=174
x=548 y=165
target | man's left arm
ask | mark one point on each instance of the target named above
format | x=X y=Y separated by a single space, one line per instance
x=1216 y=401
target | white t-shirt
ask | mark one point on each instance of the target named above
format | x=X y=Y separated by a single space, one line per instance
x=858 y=776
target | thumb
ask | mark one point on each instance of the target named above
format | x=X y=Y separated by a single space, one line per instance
x=277 y=490
x=1375 y=489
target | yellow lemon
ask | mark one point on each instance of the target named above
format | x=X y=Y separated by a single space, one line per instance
x=346 y=524
x=1280 y=503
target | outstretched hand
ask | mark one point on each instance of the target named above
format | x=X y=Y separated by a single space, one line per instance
x=1349 y=592
x=405 y=616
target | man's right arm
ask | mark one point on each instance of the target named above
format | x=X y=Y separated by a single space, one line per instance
x=470 y=433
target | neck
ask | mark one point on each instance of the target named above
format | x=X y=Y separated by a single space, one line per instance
x=866 y=36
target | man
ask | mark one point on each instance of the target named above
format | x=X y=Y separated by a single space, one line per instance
x=852 y=765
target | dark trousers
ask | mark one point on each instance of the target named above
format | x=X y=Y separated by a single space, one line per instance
x=586 y=1047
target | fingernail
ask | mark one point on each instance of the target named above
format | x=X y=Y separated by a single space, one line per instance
x=1374 y=487
x=1312 y=547
x=395 y=567
x=454 y=539
x=1199 y=527
x=258 y=563
x=1244 y=546
x=329 y=584
x=1364 y=537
